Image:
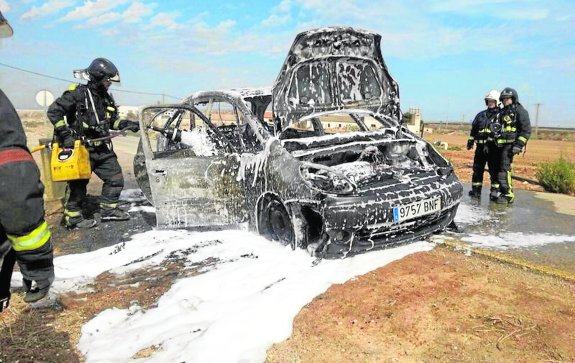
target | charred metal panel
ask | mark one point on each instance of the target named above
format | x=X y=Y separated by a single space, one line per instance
x=334 y=68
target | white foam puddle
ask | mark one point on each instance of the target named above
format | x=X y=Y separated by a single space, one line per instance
x=244 y=301
x=511 y=240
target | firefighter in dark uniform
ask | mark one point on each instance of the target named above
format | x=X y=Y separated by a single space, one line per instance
x=88 y=111
x=24 y=234
x=511 y=140
x=486 y=150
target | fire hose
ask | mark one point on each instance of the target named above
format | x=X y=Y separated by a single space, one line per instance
x=109 y=137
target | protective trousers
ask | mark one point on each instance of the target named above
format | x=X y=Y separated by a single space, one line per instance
x=104 y=163
x=22 y=216
x=504 y=174
x=487 y=153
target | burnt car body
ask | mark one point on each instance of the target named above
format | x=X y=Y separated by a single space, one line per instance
x=333 y=171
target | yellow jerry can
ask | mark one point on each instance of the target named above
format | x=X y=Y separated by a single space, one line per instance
x=67 y=164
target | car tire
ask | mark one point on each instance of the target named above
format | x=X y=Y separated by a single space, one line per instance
x=274 y=222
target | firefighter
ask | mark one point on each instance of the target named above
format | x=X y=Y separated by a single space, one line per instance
x=486 y=150
x=88 y=111
x=511 y=140
x=24 y=234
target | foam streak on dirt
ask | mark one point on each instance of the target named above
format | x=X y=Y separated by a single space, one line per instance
x=243 y=302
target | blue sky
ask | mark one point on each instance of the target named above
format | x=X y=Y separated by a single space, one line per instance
x=445 y=54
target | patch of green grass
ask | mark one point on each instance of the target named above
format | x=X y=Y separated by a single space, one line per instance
x=557 y=176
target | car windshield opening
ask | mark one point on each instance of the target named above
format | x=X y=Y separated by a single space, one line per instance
x=332 y=123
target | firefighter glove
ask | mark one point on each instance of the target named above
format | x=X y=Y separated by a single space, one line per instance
x=470 y=144
x=129 y=125
x=66 y=138
x=516 y=149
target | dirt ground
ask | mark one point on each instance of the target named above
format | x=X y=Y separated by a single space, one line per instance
x=525 y=165
x=436 y=306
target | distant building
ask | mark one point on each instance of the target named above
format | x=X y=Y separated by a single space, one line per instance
x=129 y=112
x=413 y=121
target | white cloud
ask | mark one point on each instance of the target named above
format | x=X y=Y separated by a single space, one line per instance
x=49 y=7
x=280 y=14
x=276 y=20
x=4 y=6
x=102 y=19
x=165 y=20
x=502 y=9
x=457 y=6
x=137 y=11
x=559 y=63
x=92 y=8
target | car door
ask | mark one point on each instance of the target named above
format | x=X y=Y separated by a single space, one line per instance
x=192 y=184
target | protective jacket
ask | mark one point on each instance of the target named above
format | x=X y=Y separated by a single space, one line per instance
x=481 y=128
x=86 y=110
x=515 y=125
x=21 y=208
x=89 y=112
x=10 y=126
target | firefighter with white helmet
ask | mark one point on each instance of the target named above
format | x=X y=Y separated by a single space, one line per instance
x=486 y=150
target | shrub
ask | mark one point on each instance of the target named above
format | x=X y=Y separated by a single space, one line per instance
x=557 y=176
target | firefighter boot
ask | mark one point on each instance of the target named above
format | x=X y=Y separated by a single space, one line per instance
x=494 y=194
x=74 y=220
x=475 y=192
x=113 y=214
x=82 y=224
x=38 y=292
x=505 y=199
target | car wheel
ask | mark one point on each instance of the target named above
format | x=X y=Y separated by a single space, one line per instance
x=275 y=223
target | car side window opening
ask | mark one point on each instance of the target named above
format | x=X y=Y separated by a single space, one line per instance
x=163 y=124
x=232 y=124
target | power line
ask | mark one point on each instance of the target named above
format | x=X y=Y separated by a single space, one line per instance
x=68 y=81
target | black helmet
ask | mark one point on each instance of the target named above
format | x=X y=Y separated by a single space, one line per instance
x=102 y=69
x=5 y=28
x=509 y=92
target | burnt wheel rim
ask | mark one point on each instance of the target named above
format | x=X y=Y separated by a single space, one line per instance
x=279 y=223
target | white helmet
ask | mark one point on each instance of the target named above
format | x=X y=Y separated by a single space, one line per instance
x=492 y=95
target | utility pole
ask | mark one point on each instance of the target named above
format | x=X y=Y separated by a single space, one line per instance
x=537 y=105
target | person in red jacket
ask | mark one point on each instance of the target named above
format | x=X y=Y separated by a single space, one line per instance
x=24 y=234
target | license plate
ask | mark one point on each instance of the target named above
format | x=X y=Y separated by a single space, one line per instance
x=413 y=210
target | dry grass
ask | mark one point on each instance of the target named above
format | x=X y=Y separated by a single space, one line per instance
x=51 y=334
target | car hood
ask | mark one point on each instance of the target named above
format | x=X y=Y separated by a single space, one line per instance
x=334 y=68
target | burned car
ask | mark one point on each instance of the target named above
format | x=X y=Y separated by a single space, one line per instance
x=333 y=170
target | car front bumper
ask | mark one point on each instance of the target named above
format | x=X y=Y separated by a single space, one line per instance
x=356 y=224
